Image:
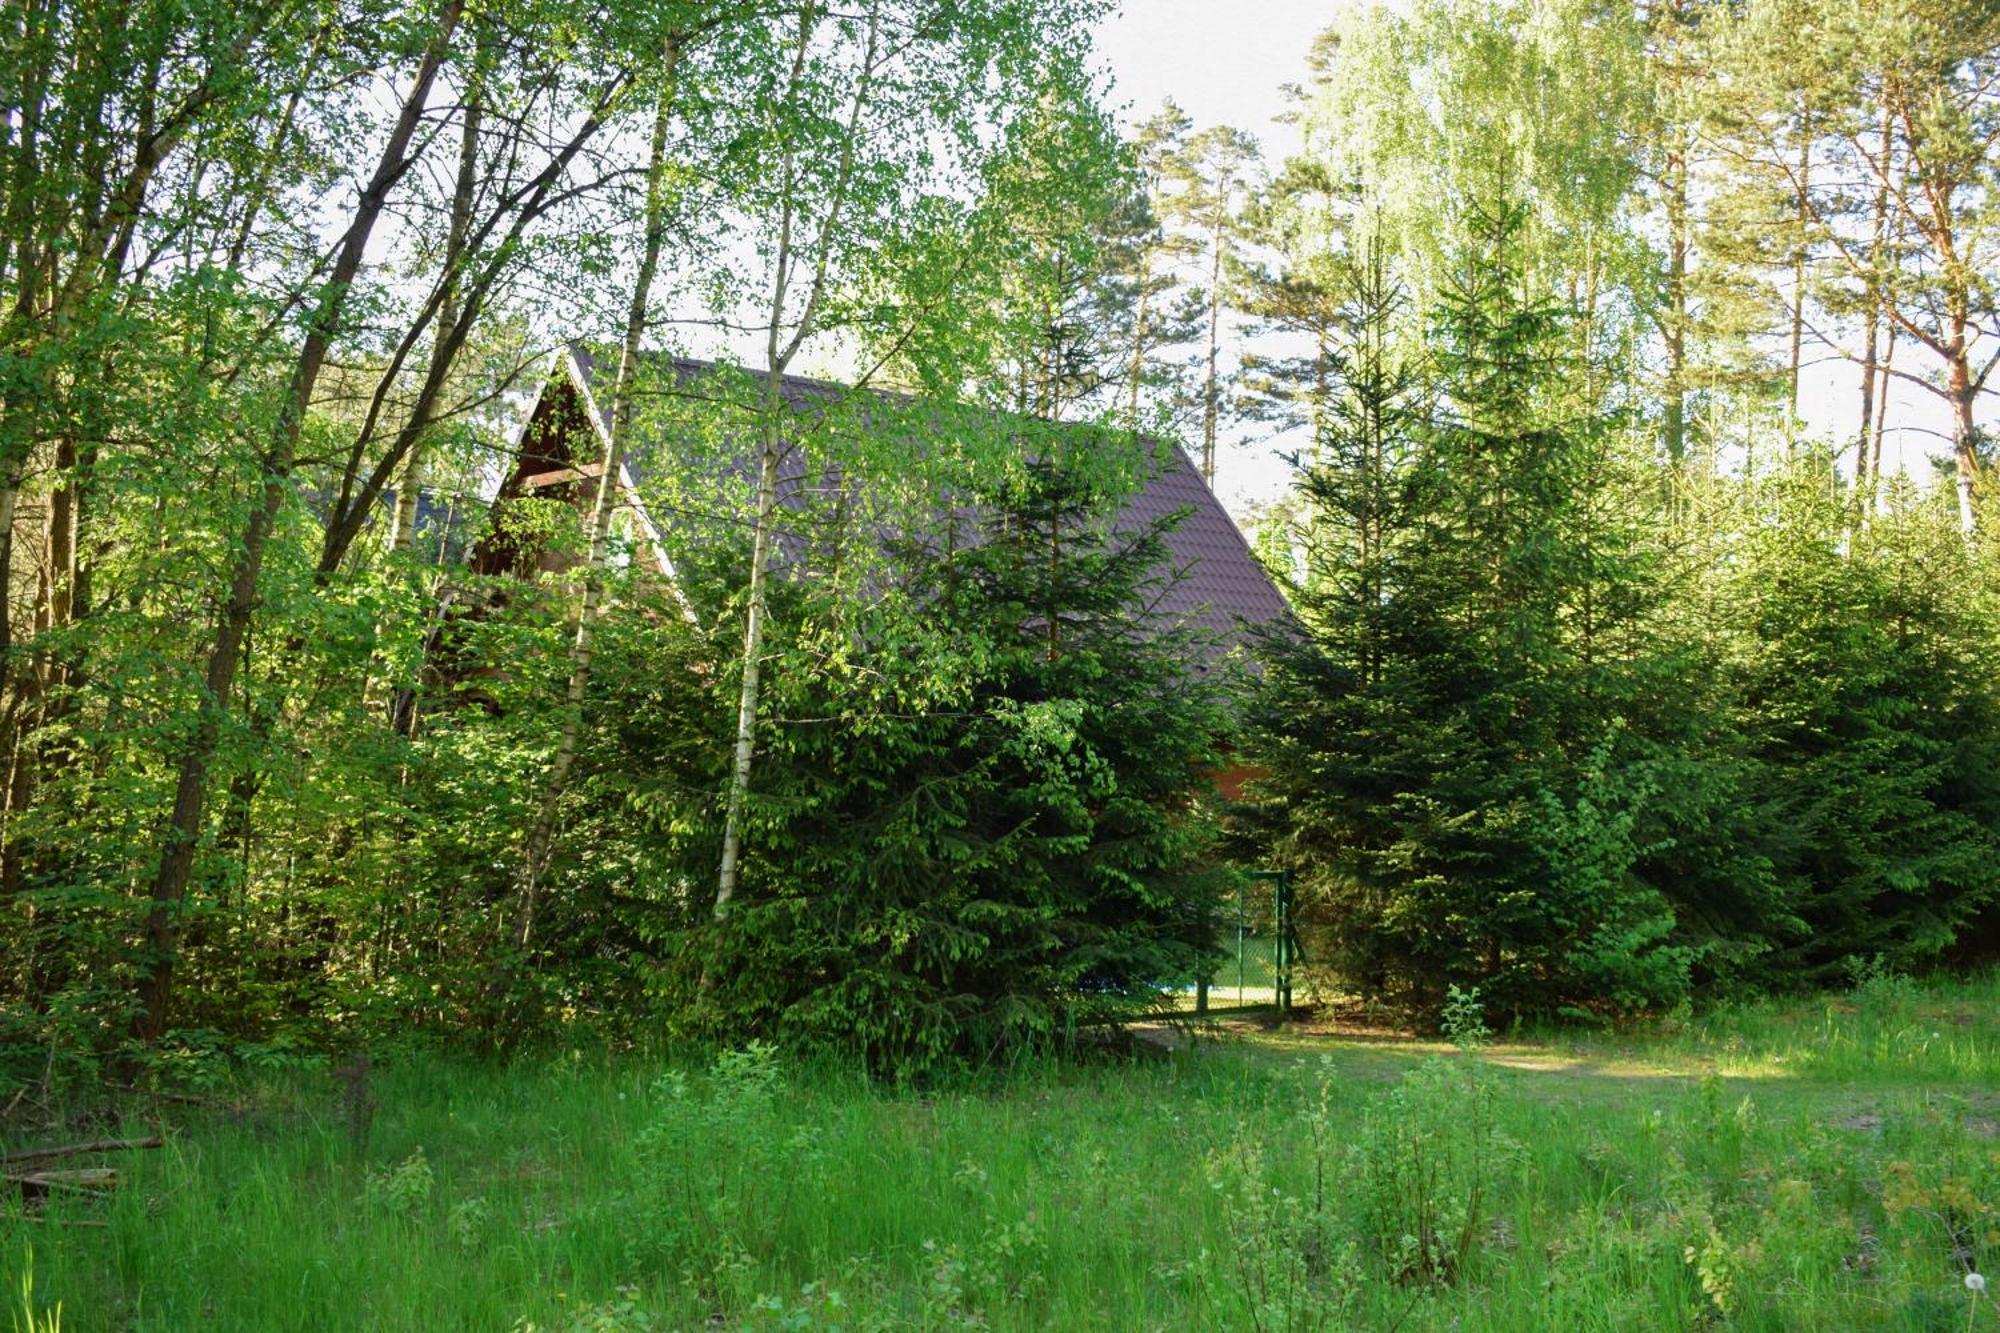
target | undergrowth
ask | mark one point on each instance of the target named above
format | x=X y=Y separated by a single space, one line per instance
x=1816 y=1165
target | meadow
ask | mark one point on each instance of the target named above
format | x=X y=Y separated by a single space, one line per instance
x=1823 y=1164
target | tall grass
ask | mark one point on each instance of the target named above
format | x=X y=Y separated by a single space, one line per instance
x=1829 y=1165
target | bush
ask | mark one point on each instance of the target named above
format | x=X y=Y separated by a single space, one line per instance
x=1429 y=1159
x=985 y=830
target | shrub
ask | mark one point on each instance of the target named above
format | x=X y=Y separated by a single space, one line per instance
x=996 y=837
x=1429 y=1160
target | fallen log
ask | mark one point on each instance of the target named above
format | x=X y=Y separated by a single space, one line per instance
x=77 y=1149
x=37 y=1185
x=90 y=1178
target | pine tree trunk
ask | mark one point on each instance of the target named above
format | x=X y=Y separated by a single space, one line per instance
x=1210 y=406
x=1881 y=420
x=1871 y=372
x=1677 y=307
x=1965 y=433
x=1798 y=283
x=1137 y=371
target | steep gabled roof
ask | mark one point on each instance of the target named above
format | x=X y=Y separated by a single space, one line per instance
x=1219 y=584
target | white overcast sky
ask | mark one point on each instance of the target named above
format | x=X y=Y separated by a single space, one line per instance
x=1226 y=61
x=1223 y=62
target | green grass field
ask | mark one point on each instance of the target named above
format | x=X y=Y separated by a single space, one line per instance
x=1831 y=1165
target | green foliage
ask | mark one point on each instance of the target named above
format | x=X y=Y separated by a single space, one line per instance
x=1866 y=702
x=1446 y=742
x=1822 y=1171
x=1294 y=1268
x=721 y=1170
x=976 y=825
x=202 y=440
x=29 y=1317
x=1586 y=745
x=405 y=1187
x=1614 y=690
x=1482 y=100
x=1428 y=1162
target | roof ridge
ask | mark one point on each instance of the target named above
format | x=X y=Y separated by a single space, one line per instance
x=1228 y=582
x=587 y=362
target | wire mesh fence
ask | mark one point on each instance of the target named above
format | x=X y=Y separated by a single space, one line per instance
x=1259 y=947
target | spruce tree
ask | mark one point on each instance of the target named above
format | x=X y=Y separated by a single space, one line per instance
x=1863 y=681
x=982 y=829
x=1444 y=743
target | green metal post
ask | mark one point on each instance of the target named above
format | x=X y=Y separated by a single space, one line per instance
x=1242 y=910
x=1278 y=946
x=1284 y=914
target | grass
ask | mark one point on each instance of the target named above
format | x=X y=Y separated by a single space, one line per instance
x=1824 y=1165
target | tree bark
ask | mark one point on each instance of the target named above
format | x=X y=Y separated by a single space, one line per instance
x=1965 y=433
x=753 y=654
x=1211 y=390
x=183 y=829
x=402 y=530
x=1881 y=421
x=1801 y=216
x=541 y=834
x=778 y=356
x=1677 y=305
x=1137 y=372
x=530 y=201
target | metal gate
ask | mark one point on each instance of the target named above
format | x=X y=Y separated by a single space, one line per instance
x=1261 y=948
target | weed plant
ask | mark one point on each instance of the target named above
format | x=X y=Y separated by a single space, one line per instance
x=1824 y=1164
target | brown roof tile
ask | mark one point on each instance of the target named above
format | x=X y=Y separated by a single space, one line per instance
x=1220 y=585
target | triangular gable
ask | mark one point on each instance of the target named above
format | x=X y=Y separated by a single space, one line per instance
x=1221 y=586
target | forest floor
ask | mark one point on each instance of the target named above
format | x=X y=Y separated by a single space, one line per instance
x=1824 y=1165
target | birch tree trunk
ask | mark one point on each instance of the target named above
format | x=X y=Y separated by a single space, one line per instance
x=753 y=650
x=778 y=354
x=541 y=833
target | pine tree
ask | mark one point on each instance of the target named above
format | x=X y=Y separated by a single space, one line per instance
x=1211 y=179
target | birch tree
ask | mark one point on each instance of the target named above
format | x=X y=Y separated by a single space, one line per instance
x=609 y=490
x=323 y=326
x=866 y=119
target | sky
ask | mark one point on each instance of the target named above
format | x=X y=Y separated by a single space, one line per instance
x=1226 y=62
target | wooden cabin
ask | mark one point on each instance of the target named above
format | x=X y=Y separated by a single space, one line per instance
x=1218 y=584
